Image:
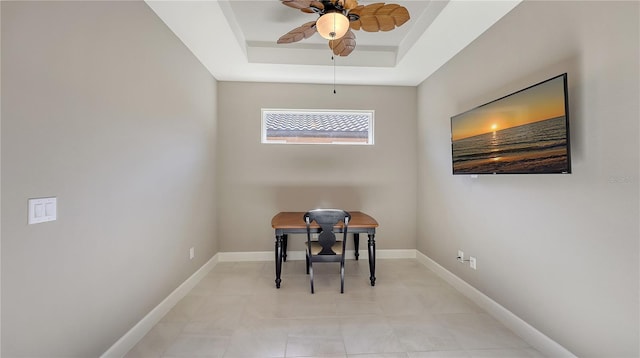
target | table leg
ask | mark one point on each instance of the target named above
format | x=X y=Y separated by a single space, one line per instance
x=278 y=259
x=356 y=243
x=372 y=258
x=285 y=239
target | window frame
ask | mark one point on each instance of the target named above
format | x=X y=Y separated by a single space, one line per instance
x=369 y=140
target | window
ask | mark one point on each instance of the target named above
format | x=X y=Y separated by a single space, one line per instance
x=317 y=126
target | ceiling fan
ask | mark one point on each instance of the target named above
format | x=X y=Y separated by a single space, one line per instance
x=339 y=17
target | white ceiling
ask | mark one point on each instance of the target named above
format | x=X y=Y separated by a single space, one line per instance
x=236 y=40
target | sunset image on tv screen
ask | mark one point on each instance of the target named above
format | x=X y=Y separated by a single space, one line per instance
x=525 y=132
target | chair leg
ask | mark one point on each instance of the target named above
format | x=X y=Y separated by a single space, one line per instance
x=310 y=267
x=307 y=258
x=342 y=277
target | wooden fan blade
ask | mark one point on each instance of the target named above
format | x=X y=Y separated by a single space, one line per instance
x=386 y=9
x=381 y=17
x=317 y=4
x=350 y=4
x=369 y=23
x=386 y=22
x=371 y=9
x=302 y=32
x=297 y=4
x=400 y=15
x=344 y=45
x=306 y=6
x=357 y=24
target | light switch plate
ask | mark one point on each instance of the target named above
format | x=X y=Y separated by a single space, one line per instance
x=42 y=210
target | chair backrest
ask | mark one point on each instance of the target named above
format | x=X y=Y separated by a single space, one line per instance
x=327 y=219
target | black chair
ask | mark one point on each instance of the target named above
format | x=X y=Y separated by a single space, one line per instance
x=326 y=248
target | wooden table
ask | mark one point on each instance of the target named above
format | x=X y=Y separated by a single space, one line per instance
x=292 y=222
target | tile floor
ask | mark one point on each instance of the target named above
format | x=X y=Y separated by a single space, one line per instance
x=236 y=311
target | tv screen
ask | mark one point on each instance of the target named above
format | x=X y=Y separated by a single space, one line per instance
x=526 y=132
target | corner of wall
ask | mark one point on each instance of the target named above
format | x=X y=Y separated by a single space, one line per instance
x=535 y=338
x=140 y=329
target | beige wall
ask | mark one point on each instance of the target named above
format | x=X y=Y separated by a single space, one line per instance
x=0 y=190
x=560 y=251
x=104 y=108
x=95 y=113
x=256 y=180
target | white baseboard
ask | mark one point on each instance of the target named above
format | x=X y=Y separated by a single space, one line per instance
x=246 y=256
x=393 y=254
x=137 y=332
x=299 y=255
x=528 y=333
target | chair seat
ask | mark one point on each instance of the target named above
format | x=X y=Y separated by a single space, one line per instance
x=316 y=248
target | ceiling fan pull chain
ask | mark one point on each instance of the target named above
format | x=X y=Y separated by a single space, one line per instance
x=333 y=58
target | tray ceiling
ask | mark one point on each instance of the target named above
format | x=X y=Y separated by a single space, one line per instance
x=236 y=41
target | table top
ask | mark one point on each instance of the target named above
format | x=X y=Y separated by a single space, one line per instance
x=294 y=220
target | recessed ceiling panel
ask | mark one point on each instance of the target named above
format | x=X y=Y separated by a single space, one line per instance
x=236 y=40
x=261 y=23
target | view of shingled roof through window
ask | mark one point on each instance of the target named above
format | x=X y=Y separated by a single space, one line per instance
x=317 y=127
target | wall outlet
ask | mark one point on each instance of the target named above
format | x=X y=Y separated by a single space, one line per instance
x=472 y=262
x=460 y=256
x=192 y=253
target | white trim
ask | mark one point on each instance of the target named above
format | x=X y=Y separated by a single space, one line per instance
x=394 y=254
x=299 y=255
x=140 y=329
x=535 y=338
x=246 y=256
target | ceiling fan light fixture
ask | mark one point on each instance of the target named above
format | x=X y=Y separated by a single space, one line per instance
x=332 y=25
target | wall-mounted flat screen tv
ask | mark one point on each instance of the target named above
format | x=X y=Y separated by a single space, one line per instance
x=526 y=132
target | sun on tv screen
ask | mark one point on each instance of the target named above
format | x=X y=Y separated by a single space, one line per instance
x=526 y=132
